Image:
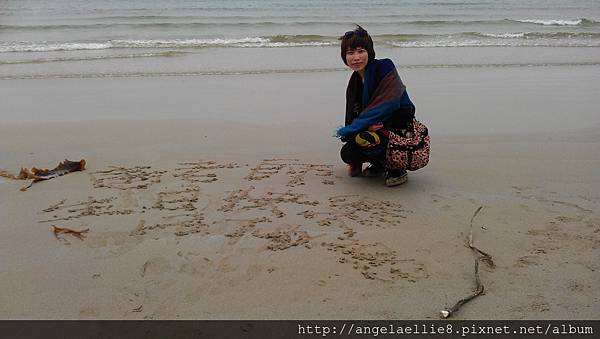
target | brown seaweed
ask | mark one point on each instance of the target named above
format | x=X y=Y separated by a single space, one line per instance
x=24 y=174
x=37 y=174
x=63 y=230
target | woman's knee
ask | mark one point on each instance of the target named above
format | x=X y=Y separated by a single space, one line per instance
x=348 y=154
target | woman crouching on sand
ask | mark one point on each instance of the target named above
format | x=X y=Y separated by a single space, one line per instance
x=376 y=102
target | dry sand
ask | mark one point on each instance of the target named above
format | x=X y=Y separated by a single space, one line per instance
x=207 y=220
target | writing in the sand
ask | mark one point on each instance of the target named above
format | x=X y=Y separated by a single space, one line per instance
x=276 y=202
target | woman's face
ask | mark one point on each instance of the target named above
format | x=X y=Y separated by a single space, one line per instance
x=357 y=58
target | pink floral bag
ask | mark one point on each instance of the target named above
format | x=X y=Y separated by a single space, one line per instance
x=408 y=150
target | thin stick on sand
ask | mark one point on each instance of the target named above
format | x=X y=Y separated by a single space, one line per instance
x=479 y=289
x=483 y=256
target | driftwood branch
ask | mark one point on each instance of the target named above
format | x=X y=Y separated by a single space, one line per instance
x=485 y=257
x=479 y=288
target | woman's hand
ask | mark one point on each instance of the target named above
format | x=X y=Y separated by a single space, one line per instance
x=337 y=135
x=336 y=132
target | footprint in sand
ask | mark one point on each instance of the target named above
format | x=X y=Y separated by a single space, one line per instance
x=197 y=266
x=526 y=309
x=568 y=225
x=153 y=266
x=527 y=260
x=115 y=243
x=436 y=198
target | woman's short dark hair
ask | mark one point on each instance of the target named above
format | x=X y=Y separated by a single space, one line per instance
x=359 y=37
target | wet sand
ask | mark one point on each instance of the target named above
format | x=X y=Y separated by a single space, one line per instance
x=223 y=197
x=193 y=219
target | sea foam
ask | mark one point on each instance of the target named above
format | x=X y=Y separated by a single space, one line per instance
x=575 y=22
x=43 y=46
x=504 y=35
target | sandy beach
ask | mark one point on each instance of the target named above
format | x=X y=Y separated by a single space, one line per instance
x=213 y=188
x=211 y=219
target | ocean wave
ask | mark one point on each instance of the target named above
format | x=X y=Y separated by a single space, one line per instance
x=144 y=25
x=503 y=35
x=464 y=39
x=28 y=46
x=302 y=38
x=491 y=43
x=549 y=22
x=509 y=39
x=226 y=22
x=492 y=22
x=537 y=35
x=171 y=43
x=560 y=22
x=277 y=41
x=192 y=22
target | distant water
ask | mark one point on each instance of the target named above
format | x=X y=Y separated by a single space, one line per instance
x=60 y=38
